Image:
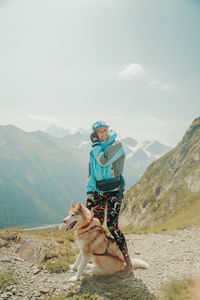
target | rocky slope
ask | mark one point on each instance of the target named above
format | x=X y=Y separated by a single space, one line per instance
x=169 y=187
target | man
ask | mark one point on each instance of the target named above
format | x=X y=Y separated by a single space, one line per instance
x=105 y=184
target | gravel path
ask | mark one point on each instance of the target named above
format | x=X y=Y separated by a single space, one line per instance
x=169 y=256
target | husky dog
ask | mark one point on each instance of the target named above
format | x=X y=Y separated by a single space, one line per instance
x=95 y=245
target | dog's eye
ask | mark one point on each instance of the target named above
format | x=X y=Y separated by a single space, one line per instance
x=73 y=215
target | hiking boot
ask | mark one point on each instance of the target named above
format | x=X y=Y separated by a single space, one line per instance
x=128 y=269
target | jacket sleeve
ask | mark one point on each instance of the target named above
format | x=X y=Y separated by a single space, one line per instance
x=91 y=181
x=110 y=154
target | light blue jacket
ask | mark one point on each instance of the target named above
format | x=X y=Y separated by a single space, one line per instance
x=106 y=162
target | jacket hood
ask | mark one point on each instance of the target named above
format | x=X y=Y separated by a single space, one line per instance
x=112 y=137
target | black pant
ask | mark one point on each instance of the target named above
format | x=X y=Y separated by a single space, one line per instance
x=111 y=199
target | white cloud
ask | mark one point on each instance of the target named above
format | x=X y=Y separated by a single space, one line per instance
x=42 y=118
x=154 y=83
x=130 y=71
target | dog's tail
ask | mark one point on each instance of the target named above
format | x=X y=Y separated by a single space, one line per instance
x=139 y=264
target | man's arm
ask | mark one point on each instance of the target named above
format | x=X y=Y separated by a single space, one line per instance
x=91 y=181
x=110 y=154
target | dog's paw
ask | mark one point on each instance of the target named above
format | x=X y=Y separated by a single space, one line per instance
x=73 y=278
x=73 y=267
x=90 y=266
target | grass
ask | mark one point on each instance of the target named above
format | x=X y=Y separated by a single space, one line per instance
x=58 y=246
x=178 y=290
x=58 y=266
x=9 y=232
x=7 y=279
x=186 y=218
x=60 y=250
x=77 y=296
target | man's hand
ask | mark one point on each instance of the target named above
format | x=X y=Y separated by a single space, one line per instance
x=94 y=137
x=89 y=202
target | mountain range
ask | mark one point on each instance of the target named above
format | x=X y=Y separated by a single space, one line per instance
x=42 y=172
x=138 y=154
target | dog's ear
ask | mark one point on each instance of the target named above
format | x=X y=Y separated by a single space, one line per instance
x=73 y=204
x=80 y=206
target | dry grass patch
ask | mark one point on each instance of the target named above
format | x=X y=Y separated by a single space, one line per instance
x=7 y=279
x=183 y=289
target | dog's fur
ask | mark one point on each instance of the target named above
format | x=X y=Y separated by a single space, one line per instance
x=94 y=241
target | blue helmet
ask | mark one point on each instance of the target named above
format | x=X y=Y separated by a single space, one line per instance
x=99 y=124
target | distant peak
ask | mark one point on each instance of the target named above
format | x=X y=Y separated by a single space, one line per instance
x=193 y=130
x=196 y=120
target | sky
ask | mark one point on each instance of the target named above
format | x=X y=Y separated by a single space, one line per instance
x=132 y=63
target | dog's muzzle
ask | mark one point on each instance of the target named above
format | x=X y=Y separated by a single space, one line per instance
x=70 y=226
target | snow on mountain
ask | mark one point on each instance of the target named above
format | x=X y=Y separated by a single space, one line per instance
x=152 y=149
x=56 y=131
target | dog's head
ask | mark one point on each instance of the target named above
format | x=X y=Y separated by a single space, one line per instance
x=78 y=215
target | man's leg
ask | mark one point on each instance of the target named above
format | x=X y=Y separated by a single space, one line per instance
x=99 y=207
x=113 y=209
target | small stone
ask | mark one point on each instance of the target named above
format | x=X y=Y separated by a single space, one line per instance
x=18 y=258
x=137 y=252
x=108 y=294
x=14 y=291
x=36 y=271
x=44 y=290
x=37 y=294
x=5 y=259
x=4 y=296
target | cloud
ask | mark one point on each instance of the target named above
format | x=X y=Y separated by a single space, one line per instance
x=154 y=83
x=130 y=71
x=42 y=118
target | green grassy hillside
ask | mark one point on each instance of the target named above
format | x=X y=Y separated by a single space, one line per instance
x=168 y=194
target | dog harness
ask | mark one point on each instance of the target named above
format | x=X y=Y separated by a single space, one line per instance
x=106 y=253
x=86 y=225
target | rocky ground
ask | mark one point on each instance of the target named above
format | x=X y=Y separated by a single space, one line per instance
x=169 y=256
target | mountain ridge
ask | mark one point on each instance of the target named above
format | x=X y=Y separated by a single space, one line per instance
x=169 y=186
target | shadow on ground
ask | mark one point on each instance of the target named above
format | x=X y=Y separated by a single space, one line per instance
x=112 y=288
